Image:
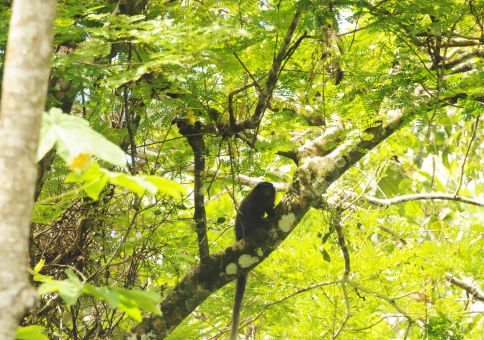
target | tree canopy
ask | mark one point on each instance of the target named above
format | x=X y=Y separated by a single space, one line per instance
x=162 y=115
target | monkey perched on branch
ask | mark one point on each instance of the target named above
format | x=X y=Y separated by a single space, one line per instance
x=249 y=222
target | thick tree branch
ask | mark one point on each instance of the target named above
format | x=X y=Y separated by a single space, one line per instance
x=462 y=43
x=252 y=182
x=461 y=58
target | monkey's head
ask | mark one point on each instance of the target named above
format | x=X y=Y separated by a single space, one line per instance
x=266 y=194
x=266 y=189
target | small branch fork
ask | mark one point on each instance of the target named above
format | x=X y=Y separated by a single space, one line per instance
x=470 y=289
x=264 y=92
x=233 y=122
x=473 y=136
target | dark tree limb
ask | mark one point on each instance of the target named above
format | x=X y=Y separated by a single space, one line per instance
x=194 y=136
x=130 y=7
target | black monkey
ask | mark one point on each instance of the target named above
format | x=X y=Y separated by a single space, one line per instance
x=249 y=221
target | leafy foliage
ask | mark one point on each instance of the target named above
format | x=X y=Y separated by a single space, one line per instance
x=131 y=302
x=117 y=201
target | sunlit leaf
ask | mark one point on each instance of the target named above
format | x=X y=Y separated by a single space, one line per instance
x=69 y=289
x=73 y=137
x=32 y=332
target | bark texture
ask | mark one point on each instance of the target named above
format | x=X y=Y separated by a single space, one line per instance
x=24 y=89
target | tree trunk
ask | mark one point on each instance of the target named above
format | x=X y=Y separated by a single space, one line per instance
x=24 y=89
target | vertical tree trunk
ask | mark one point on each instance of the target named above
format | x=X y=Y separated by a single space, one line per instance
x=24 y=89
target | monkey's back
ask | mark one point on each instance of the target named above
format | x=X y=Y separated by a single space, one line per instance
x=252 y=209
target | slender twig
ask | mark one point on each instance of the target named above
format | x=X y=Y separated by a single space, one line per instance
x=254 y=81
x=353 y=31
x=473 y=136
x=417 y=197
x=394 y=234
x=118 y=248
x=231 y=100
x=358 y=330
x=336 y=223
x=348 y=311
x=302 y=290
x=386 y=298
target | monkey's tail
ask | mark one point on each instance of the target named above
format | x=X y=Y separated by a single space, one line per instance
x=239 y=295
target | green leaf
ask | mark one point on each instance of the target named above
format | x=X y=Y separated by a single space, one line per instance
x=146 y=300
x=130 y=301
x=69 y=289
x=166 y=186
x=39 y=265
x=93 y=189
x=94 y=180
x=325 y=254
x=33 y=332
x=103 y=293
x=136 y=184
x=73 y=136
x=36 y=272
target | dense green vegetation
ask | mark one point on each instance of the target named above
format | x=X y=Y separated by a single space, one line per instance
x=341 y=104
